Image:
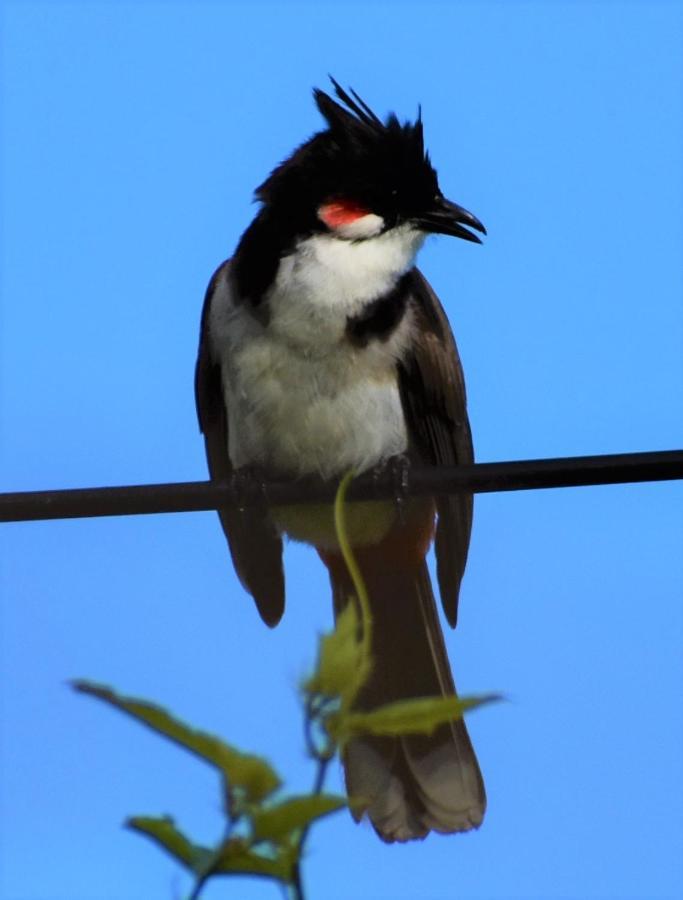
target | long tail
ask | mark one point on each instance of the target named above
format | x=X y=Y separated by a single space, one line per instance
x=415 y=784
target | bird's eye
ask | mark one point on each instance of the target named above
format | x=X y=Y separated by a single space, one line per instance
x=394 y=192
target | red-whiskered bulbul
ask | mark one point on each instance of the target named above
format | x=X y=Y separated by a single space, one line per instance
x=322 y=350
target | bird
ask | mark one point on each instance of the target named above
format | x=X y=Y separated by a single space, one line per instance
x=323 y=349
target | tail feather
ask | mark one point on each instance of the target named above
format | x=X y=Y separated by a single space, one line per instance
x=418 y=783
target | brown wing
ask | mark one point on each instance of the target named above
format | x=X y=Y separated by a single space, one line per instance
x=255 y=546
x=433 y=396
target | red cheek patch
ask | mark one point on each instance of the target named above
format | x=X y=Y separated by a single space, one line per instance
x=341 y=212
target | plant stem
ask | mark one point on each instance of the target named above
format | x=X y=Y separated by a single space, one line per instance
x=318 y=784
x=197 y=888
x=210 y=867
x=350 y=560
x=296 y=884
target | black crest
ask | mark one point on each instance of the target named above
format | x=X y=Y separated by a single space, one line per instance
x=360 y=131
x=383 y=164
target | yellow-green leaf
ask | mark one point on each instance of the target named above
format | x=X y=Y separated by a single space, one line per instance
x=343 y=665
x=251 y=773
x=278 y=822
x=237 y=858
x=164 y=832
x=421 y=714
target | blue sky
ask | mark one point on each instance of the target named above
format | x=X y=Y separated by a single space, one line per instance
x=133 y=136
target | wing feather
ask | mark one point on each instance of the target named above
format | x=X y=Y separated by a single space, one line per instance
x=255 y=546
x=432 y=389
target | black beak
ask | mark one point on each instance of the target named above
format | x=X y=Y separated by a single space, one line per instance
x=449 y=218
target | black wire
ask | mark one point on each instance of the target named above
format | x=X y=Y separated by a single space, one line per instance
x=190 y=496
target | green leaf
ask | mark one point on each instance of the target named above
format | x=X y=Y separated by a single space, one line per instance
x=253 y=774
x=278 y=822
x=236 y=858
x=164 y=832
x=343 y=664
x=422 y=714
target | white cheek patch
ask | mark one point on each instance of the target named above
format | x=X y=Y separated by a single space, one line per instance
x=364 y=227
x=350 y=221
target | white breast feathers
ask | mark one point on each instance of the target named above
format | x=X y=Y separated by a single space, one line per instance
x=301 y=399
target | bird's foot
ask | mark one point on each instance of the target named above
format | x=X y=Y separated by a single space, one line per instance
x=249 y=484
x=398 y=469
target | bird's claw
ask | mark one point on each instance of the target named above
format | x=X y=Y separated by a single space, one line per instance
x=398 y=468
x=249 y=485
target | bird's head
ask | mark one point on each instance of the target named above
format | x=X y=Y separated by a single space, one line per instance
x=362 y=177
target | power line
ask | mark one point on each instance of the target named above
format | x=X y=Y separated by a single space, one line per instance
x=191 y=496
